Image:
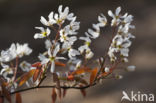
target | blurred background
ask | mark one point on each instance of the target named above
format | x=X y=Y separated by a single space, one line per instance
x=19 y=17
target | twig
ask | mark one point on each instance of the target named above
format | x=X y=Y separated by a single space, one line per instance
x=15 y=71
x=63 y=87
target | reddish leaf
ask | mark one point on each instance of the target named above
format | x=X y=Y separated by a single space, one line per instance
x=37 y=64
x=83 y=92
x=26 y=77
x=36 y=74
x=18 y=98
x=57 y=81
x=93 y=75
x=81 y=70
x=60 y=64
x=64 y=92
x=6 y=93
x=1 y=99
x=54 y=95
x=70 y=77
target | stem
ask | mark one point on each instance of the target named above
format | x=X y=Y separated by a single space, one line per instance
x=56 y=37
x=63 y=87
x=16 y=67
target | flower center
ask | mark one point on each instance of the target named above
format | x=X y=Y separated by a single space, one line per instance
x=52 y=58
x=87 y=43
x=44 y=34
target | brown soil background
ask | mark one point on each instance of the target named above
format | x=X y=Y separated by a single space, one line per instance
x=19 y=17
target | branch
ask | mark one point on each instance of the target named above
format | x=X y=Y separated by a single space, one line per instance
x=63 y=87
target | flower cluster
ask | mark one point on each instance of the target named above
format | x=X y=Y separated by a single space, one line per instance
x=121 y=41
x=61 y=51
x=15 y=50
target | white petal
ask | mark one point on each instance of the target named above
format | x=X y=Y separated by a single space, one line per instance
x=110 y=14
x=49 y=52
x=107 y=69
x=87 y=39
x=48 y=31
x=40 y=28
x=44 y=21
x=96 y=27
x=66 y=11
x=93 y=33
x=38 y=35
x=131 y=68
x=56 y=16
x=48 y=44
x=43 y=59
x=124 y=51
x=60 y=9
x=63 y=58
x=89 y=55
x=51 y=15
x=56 y=50
x=52 y=67
x=70 y=17
x=117 y=11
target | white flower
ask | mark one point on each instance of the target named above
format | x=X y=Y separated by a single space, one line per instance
x=74 y=64
x=86 y=44
x=68 y=42
x=107 y=70
x=94 y=34
x=102 y=20
x=124 y=60
x=51 y=20
x=72 y=53
x=63 y=14
x=89 y=54
x=9 y=54
x=25 y=66
x=48 y=44
x=78 y=64
x=71 y=17
x=51 y=57
x=116 y=17
x=44 y=33
x=14 y=51
x=63 y=35
x=118 y=76
x=22 y=50
x=5 y=71
x=131 y=68
x=72 y=27
x=127 y=18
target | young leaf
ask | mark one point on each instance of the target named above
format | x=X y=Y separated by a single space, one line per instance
x=36 y=74
x=70 y=77
x=26 y=77
x=37 y=64
x=6 y=93
x=81 y=70
x=64 y=92
x=54 y=95
x=1 y=99
x=93 y=75
x=83 y=92
x=18 y=98
x=60 y=64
